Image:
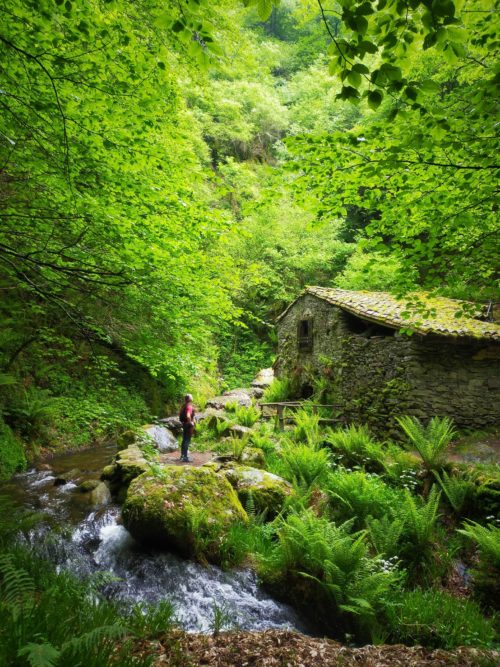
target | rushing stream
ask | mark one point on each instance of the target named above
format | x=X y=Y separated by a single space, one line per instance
x=84 y=540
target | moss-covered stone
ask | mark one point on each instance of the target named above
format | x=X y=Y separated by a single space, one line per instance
x=88 y=485
x=253 y=456
x=268 y=492
x=185 y=508
x=109 y=471
x=129 y=464
x=126 y=439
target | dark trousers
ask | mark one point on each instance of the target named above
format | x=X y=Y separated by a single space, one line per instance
x=187 y=432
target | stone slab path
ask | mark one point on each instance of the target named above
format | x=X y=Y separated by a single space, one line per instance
x=197 y=458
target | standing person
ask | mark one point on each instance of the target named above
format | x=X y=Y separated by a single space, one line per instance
x=186 y=417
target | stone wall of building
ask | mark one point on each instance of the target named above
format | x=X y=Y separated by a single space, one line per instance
x=375 y=373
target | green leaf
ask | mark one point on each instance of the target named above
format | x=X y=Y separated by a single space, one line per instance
x=40 y=655
x=429 y=86
x=375 y=98
x=264 y=9
x=354 y=78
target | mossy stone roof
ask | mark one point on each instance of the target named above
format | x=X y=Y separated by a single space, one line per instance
x=435 y=315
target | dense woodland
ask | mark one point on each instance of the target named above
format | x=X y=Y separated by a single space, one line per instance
x=172 y=174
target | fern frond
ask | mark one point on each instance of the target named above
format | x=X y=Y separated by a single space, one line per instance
x=430 y=441
x=40 y=655
x=458 y=491
x=16 y=586
x=487 y=539
x=90 y=641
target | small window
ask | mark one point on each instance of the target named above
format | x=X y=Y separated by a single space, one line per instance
x=305 y=335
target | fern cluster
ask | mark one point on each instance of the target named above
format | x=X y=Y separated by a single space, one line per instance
x=302 y=464
x=358 y=495
x=306 y=428
x=357 y=447
x=246 y=416
x=430 y=441
x=459 y=491
x=314 y=549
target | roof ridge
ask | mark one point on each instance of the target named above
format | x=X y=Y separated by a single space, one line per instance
x=383 y=307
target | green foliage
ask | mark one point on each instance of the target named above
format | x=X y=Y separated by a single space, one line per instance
x=357 y=448
x=222 y=618
x=485 y=573
x=151 y=620
x=435 y=618
x=420 y=518
x=417 y=136
x=12 y=456
x=263 y=442
x=487 y=539
x=330 y=561
x=458 y=490
x=430 y=441
x=247 y=416
x=306 y=428
x=32 y=414
x=302 y=464
x=359 y=495
x=237 y=447
x=279 y=390
x=385 y=534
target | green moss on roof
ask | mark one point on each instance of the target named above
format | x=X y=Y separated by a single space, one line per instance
x=432 y=315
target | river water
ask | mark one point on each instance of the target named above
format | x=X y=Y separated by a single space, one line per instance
x=85 y=540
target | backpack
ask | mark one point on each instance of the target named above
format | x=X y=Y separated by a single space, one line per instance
x=182 y=414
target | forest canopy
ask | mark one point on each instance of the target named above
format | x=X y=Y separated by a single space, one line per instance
x=173 y=174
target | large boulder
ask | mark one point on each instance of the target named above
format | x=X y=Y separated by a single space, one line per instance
x=262 y=381
x=240 y=396
x=163 y=437
x=185 y=508
x=173 y=424
x=268 y=492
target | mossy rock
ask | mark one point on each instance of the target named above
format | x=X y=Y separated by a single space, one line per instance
x=129 y=464
x=268 y=492
x=253 y=456
x=126 y=439
x=109 y=471
x=88 y=485
x=184 y=508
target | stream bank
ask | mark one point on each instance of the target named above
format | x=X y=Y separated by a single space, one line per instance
x=86 y=540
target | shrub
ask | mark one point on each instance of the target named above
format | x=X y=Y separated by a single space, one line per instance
x=237 y=447
x=231 y=406
x=302 y=464
x=306 y=428
x=419 y=520
x=458 y=490
x=32 y=413
x=247 y=416
x=385 y=534
x=437 y=619
x=263 y=442
x=319 y=561
x=357 y=448
x=358 y=495
x=487 y=539
x=49 y=618
x=430 y=441
x=279 y=390
x=486 y=575
x=12 y=457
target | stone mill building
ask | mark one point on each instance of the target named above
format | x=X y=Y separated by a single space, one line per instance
x=376 y=359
